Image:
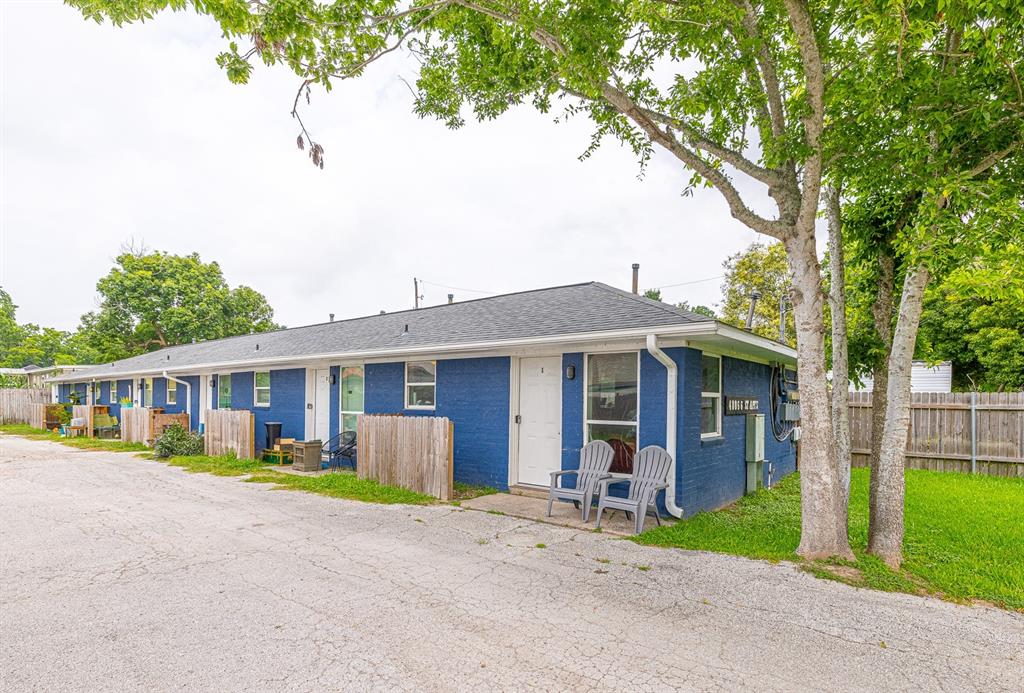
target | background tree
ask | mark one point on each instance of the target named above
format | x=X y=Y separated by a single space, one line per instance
x=761 y=267
x=153 y=300
x=733 y=90
x=28 y=344
x=975 y=319
x=655 y=294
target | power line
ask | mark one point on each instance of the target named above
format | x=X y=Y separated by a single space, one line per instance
x=457 y=288
x=695 y=281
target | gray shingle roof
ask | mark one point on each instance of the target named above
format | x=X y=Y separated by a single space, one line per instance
x=563 y=310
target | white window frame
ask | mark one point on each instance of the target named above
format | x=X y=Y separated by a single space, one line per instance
x=168 y=390
x=423 y=407
x=341 y=395
x=219 y=381
x=147 y=392
x=112 y=392
x=716 y=395
x=586 y=398
x=256 y=388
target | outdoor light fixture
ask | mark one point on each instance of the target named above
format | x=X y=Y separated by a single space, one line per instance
x=570 y=372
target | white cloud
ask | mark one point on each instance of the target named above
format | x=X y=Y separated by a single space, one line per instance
x=109 y=134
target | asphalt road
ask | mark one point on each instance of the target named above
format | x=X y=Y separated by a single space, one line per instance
x=118 y=573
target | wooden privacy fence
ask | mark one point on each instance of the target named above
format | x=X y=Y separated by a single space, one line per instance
x=16 y=405
x=960 y=432
x=136 y=424
x=413 y=452
x=230 y=431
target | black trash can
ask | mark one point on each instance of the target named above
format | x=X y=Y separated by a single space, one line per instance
x=273 y=433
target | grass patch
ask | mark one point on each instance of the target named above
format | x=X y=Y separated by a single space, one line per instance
x=964 y=536
x=342 y=484
x=82 y=443
x=461 y=491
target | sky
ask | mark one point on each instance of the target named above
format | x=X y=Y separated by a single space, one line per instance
x=134 y=134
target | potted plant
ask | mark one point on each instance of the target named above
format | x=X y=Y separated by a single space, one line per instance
x=126 y=403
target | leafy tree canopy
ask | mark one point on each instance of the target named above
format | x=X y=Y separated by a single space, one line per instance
x=760 y=268
x=153 y=300
x=976 y=320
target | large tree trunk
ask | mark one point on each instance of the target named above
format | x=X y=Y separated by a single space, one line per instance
x=881 y=312
x=840 y=353
x=885 y=534
x=823 y=532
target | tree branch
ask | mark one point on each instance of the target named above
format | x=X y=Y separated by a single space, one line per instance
x=730 y=156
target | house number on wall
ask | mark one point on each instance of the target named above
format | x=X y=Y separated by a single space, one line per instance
x=742 y=405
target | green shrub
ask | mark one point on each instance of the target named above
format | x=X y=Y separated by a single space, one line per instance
x=177 y=441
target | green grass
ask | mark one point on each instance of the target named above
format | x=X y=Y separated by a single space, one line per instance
x=964 y=535
x=81 y=443
x=342 y=484
x=462 y=491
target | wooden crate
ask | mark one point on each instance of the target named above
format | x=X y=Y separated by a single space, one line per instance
x=306 y=455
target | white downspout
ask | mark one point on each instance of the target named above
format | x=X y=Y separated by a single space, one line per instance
x=671 y=420
x=188 y=395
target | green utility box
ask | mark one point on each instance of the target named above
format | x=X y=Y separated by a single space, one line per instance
x=755 y=452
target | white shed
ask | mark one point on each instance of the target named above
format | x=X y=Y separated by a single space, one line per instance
x=923 y=378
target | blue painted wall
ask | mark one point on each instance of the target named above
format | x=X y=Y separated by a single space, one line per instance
x=287 y=402
x=712 y=472
x=474 y=394
x=572 y=415
x=335 y=406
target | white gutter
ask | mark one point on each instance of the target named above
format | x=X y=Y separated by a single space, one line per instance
x=689 y=331
x=671 y=420
x=188 y=394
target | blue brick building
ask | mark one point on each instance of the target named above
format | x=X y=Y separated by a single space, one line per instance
x=527 y=379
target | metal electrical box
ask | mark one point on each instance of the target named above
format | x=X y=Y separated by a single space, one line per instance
x=790 y=411
x=755 y=452
x=755 y=437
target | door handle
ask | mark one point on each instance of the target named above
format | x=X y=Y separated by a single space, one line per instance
x=519 y=419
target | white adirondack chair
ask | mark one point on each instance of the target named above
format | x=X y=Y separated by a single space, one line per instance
x=595 y=460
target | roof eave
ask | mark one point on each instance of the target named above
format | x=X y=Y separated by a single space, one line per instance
x=696 y=329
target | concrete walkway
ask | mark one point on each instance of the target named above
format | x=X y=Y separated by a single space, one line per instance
x=562 y=513
x=125 y=574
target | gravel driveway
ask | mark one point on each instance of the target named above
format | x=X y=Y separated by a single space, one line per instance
x=122 y=573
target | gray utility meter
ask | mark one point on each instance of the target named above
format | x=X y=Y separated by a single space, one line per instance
x=755 y=452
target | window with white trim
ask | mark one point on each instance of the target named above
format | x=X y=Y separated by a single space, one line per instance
x=613 y=385
x=261 y=389
x=224 y=391
x=711 y=396
x=351 y=397
x=112 y=392
x=420 y=384
x=147 y=392
x=172 y=391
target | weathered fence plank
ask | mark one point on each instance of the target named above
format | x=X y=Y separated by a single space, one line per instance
x=413 y=452
x=230 y=431
x=941 y=428
x=16 y=405
x=136 y=425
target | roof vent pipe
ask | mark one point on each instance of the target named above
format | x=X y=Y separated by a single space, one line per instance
x=451 y=299
x=755 y=295
x=636 y=277
x=331 y=316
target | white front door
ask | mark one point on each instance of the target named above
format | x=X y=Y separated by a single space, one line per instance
x=322 y=405
x=540 y=419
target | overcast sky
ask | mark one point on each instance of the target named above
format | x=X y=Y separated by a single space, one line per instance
x=135 y=133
